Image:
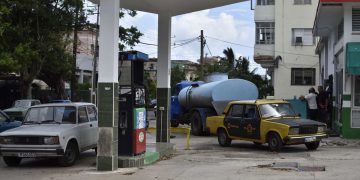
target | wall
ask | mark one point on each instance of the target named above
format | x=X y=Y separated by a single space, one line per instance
x=288 y=16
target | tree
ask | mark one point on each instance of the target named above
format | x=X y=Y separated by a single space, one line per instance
x=177 y=75
x=35 y=34
x=240 y=68
x=30 y=33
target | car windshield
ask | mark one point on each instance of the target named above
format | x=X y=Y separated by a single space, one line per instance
x=22 y=103
x=57 y=114
x=276 y=110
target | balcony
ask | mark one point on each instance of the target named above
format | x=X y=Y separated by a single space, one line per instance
x=264 y=54
x=264 y=13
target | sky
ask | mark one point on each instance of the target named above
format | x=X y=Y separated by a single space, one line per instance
x=228 y=26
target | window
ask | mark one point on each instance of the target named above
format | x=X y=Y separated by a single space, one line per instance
x=250 y=112
x=265 y=32
x=92 y=113
x=302 y=2
x=237 y=110
x=357 y=91
x=356 y=19
x=265 y=2
x=303 y=76
x=82 y=115
x=302 y=37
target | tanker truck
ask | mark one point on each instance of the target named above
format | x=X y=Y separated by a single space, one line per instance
x=192 y=102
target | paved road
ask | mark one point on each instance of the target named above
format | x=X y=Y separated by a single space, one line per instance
x=207 y=160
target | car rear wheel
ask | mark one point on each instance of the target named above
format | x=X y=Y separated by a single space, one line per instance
x=70 y=156
x=275 y=142
x=196 y=124
x=223 y=138
x=12 y=161
x=312 y=146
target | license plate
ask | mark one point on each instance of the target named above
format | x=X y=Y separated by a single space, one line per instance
x=310 y=139
x=28 y=155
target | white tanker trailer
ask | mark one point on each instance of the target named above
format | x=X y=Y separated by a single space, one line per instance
x=194 y=101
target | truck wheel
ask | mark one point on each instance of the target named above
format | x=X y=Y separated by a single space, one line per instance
x=174 y=124
x=12 y=161
x=312 y=145
x=196 y=124
x=70 y=156
x=223 y=138
x=275 y=142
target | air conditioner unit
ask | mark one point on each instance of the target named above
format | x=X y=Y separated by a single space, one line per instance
x=298 y=41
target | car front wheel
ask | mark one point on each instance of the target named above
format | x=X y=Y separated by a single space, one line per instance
x=275 y=142
x=312 y=146
x=12 y=161
x=70 y=156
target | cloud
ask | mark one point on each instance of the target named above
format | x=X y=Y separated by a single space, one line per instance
x=232 y=25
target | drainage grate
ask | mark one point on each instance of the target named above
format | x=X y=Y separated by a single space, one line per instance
x=292 y=166
x=311 y=168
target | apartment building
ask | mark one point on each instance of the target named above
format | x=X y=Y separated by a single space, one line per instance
x=285 y=45
x=337 y=23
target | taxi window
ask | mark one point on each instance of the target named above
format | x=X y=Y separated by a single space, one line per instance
x=250 y=112
x=237 y=110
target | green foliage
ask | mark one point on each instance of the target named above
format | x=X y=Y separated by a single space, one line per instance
x=240 y=69
x=34 y=35
x=177 y=75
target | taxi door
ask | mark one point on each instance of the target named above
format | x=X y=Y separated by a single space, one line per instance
x=250 y=125
x=233 y=119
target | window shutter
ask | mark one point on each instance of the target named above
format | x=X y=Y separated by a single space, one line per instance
x=356 y=19
x=308 y=37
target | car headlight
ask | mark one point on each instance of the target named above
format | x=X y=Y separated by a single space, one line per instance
x=6 y=140
x=293 y=131
x=51 y=140
x=321 y=129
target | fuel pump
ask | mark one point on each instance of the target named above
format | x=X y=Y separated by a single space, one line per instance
x=132 y=112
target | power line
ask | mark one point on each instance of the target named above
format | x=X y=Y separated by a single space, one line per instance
x=259 y=48
x=208 y=47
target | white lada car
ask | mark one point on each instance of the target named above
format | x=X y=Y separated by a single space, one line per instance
x=52 y=130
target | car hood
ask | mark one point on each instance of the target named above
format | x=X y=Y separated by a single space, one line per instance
x=294 y=122
x=38 y=130
x=16 y=109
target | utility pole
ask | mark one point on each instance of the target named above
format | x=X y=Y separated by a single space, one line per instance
x=202 y=45
x=96 y=55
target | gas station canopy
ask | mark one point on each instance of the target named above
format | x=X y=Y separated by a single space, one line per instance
x=172 y=7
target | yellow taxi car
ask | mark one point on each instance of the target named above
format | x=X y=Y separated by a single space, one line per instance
x=265 y=121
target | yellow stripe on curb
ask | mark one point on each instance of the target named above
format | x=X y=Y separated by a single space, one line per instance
x=176 y=130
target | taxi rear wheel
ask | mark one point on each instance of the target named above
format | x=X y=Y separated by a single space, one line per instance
x=313 y=145
x=223 y=138
x=275 y=142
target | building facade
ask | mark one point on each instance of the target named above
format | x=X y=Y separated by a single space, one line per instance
x=285 y=45
x=337 y=24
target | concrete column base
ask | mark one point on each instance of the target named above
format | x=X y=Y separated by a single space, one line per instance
x=163 y=115
x=107 y=159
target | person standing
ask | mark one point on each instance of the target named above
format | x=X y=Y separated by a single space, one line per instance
x=322 y=104
x=312 y=109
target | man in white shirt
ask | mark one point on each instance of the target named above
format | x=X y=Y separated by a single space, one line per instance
x=312 y=105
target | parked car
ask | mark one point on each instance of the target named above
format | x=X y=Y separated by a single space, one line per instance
x=61 y=131
x=7 y=123
x=20 y=107
x=265 y=121
x=60 y=101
